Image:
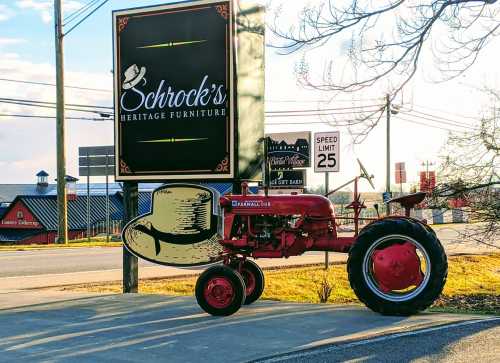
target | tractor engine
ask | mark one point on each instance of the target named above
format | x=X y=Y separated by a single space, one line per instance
x=279 y=226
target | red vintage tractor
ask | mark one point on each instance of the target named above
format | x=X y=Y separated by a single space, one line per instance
x=396 y=264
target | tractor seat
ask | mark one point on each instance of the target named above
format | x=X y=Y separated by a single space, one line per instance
x=408 y=201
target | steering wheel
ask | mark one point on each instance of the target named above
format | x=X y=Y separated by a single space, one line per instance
x=364 y=174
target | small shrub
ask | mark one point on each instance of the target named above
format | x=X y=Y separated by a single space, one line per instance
x=324 y=289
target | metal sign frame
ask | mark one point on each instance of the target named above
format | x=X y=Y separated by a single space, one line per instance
x=290 y=157
x=225 y=169
x=327 y=144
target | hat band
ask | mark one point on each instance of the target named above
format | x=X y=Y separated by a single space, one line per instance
x=179 y=239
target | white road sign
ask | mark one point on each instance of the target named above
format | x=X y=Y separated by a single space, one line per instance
x=326 y=151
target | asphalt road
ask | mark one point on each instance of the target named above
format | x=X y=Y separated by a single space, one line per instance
x=461 y=342
x=42 y=262
x=61 y=261
x=48 y=326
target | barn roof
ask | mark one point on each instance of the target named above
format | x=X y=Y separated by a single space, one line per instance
x=44 y=209
x=9 y=192
x=44 y=206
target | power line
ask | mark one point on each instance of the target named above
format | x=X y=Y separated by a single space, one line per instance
x=327 y=109
x=440 y=121
x=446 y=112
x=459 y=123
x=336 y=123
x=86 y=17
x=54 y=117
x=424 y=124
x=54 y=85
x=71 y=17
x=322 y=101
x=54 y=107
x=53 y=103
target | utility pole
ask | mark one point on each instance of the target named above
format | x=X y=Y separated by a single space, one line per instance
x=62 y=202
x=130 y=262
x=388 y=148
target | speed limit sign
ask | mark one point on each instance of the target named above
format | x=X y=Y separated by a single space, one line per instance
x=326 y=151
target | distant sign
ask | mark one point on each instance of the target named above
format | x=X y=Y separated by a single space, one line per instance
x=174 y=114
x=288 y=179
x=289 y=150
x=326 y=151
x=96 y=160
x=400 y=173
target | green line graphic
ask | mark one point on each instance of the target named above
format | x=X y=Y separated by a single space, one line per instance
x=172 y=44
x=172 y=140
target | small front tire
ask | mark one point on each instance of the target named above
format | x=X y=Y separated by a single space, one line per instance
x=220 y=291
x=254 y=280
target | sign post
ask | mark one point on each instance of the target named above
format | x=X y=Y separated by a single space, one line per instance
x=96 y=161
x=326 y=159
x=130 y=261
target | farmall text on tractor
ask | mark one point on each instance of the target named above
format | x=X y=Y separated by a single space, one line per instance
x=396 y=264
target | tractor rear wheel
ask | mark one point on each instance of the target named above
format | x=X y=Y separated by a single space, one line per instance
x=220 y=291
x=254 y=280
x=397 y=267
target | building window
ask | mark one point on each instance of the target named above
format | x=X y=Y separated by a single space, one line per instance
x=20 y=215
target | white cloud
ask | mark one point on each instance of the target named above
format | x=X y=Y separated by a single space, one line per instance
x=28 y=144
x=11 y=41
x=46 y=7
x=6 y=12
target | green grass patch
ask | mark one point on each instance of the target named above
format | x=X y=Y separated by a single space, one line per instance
x=473 y=285
x=72 y=244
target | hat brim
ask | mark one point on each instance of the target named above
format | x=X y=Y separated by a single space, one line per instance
x=132 y=83
x=170 y=253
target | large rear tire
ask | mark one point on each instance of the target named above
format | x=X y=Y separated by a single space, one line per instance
x=220 y=291
x=410 y=241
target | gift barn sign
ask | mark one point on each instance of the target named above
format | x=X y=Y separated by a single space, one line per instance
x=173 y=74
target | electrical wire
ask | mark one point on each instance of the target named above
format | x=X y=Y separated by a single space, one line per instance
x=86 y=17
x=55 y=107
x=446 y=112
x=424 y=124
x=458 y=123
x=326 y=109
x=440 y=121
x=53 y=103
x=315 y=101
x=71 y=17
x=54 y=117
x=54 y=85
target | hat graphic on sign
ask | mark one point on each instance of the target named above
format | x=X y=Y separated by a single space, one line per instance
x=180 y=230
x=133 y=75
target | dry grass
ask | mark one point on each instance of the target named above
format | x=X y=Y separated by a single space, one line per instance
x=71 y=244
x=473 y=285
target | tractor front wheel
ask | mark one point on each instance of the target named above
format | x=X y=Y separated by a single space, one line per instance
x=220 y=291
x=254 y=279
x=397 y=267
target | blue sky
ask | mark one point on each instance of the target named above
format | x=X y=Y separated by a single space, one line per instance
x=27 y=53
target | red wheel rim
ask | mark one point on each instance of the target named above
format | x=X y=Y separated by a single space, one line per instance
x=219 y=292
x=250 y=282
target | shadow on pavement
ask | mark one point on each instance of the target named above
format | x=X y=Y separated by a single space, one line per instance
x=159 y=328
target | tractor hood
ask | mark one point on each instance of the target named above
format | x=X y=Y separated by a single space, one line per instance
x=306 y=205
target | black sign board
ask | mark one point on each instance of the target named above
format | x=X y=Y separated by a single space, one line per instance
x=174 y=114
x=289 y=150
x=288 y=179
